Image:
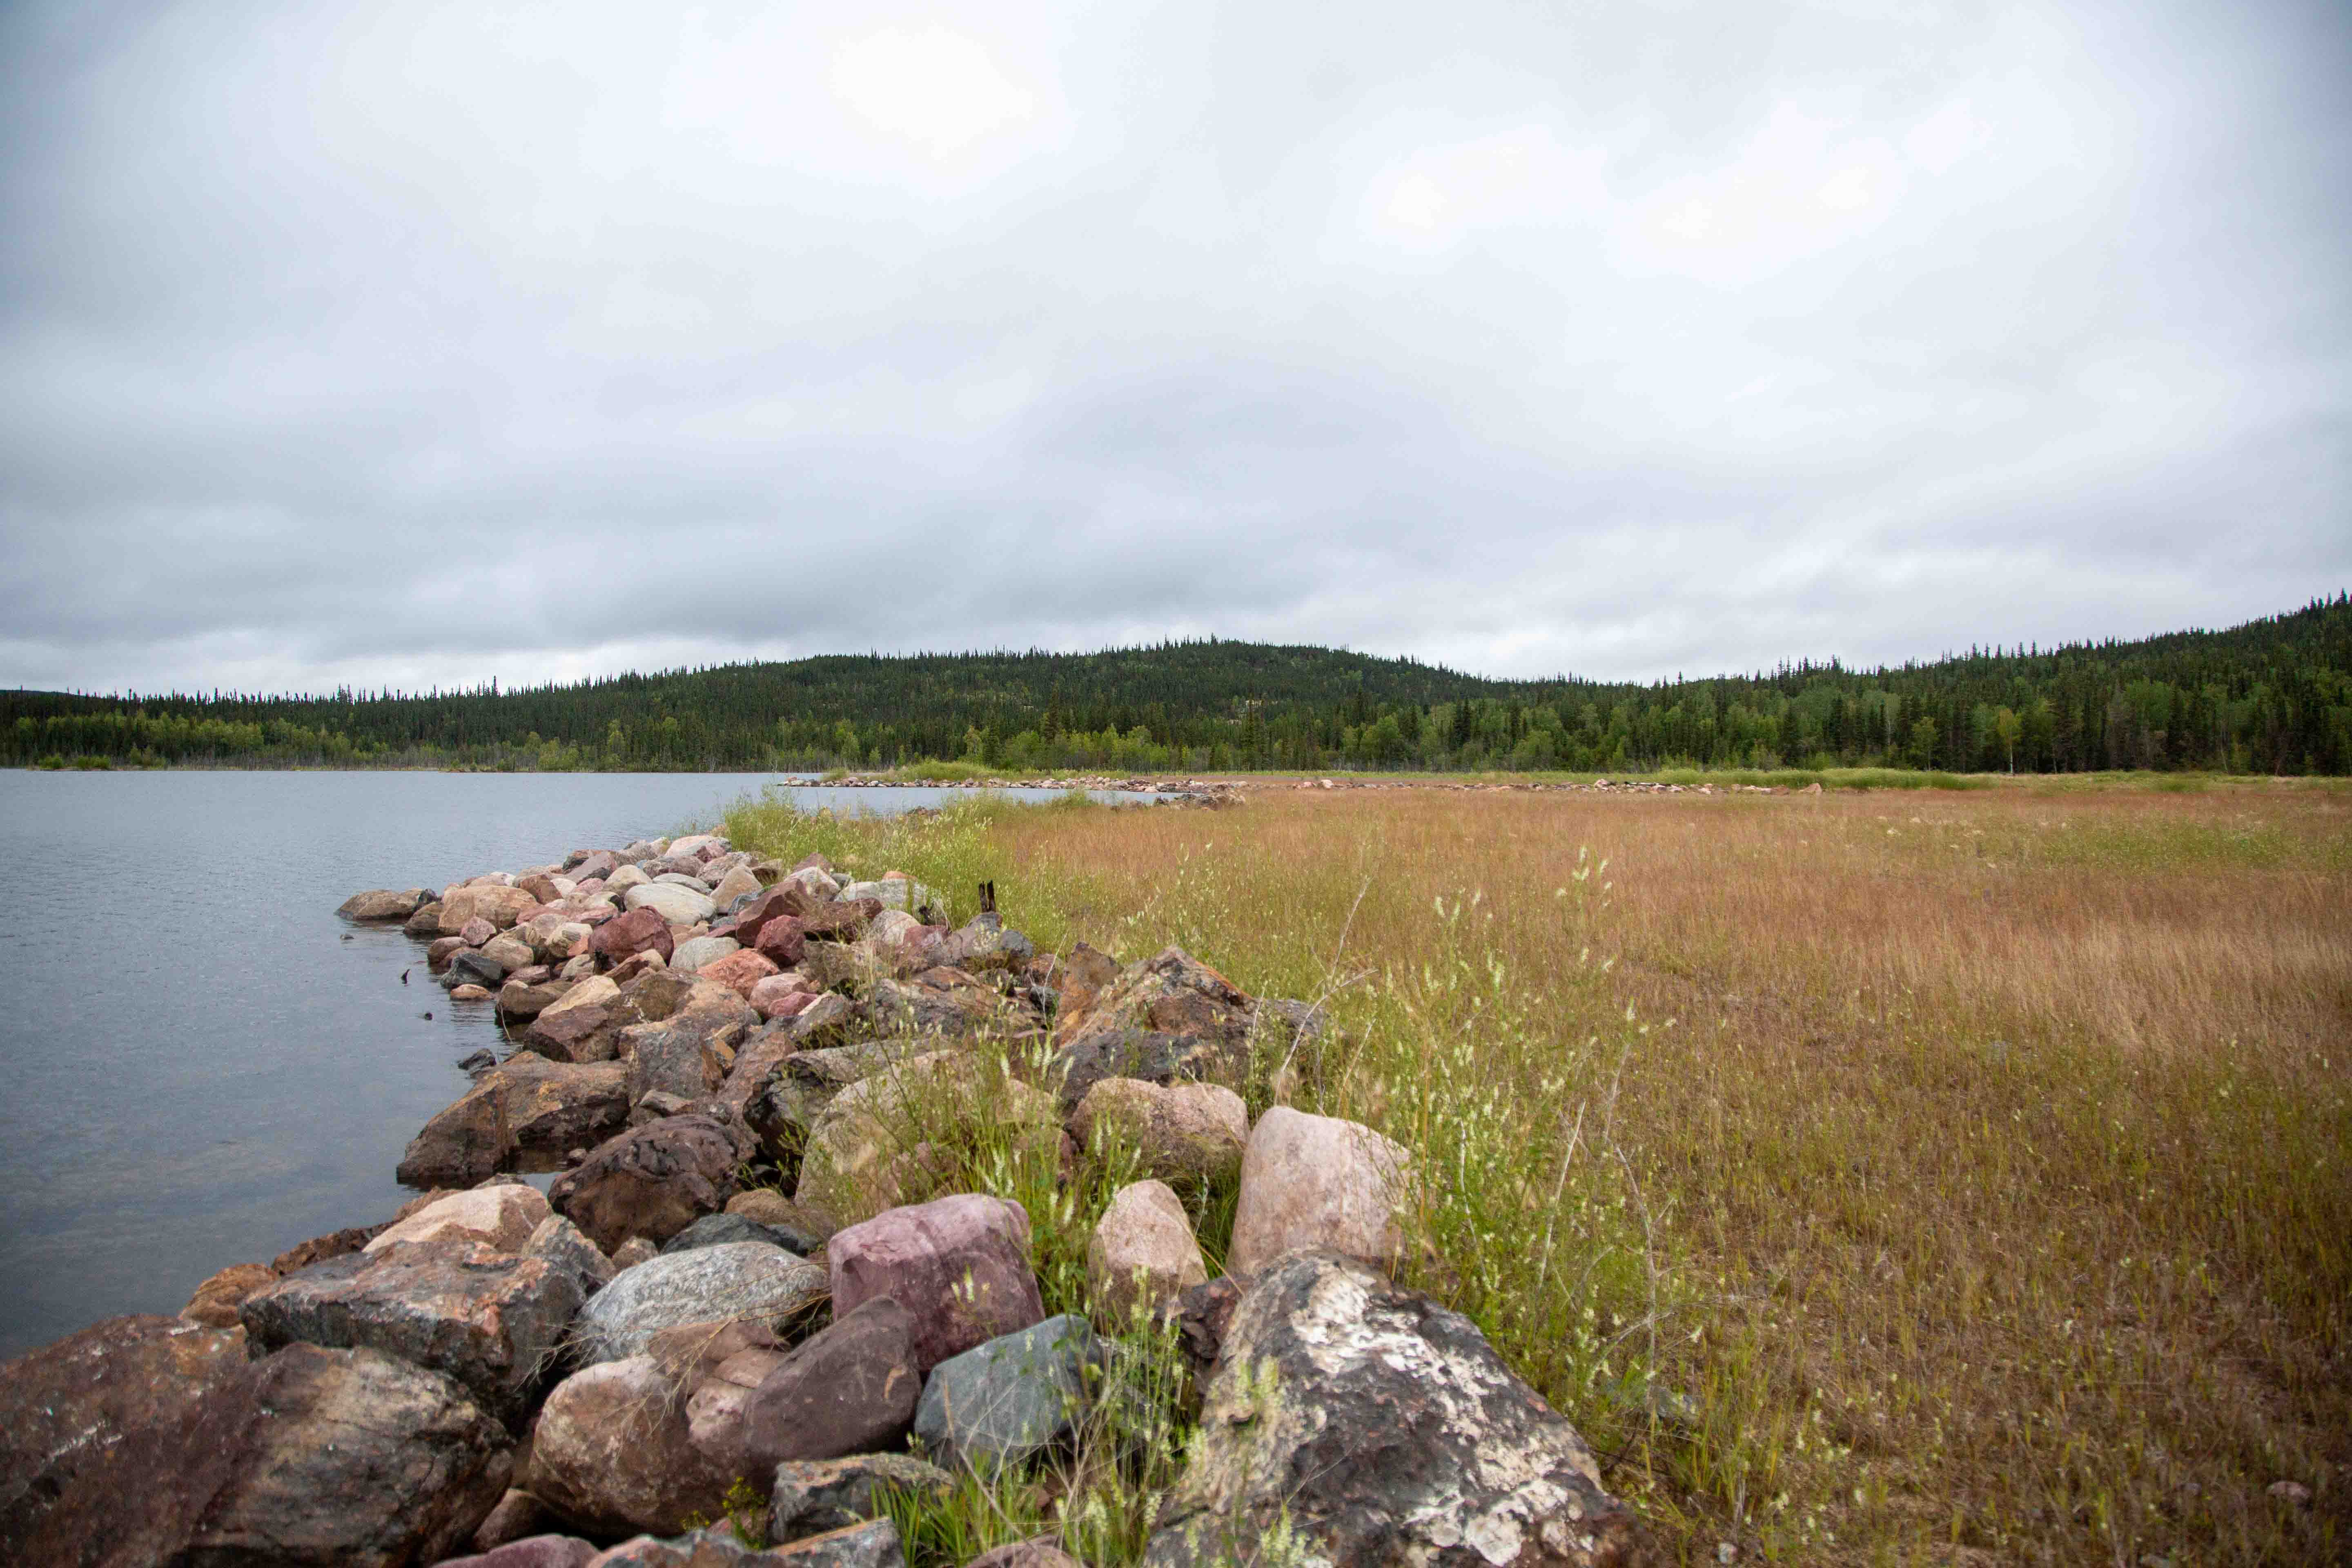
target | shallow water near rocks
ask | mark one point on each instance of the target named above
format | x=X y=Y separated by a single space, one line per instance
x=196 y=1068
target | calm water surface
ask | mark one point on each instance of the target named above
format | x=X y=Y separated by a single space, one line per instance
x=196 y=1068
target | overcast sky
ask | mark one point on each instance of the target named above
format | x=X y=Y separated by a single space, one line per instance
x=423 y=342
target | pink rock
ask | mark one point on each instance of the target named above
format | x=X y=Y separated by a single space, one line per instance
x=442 y=949
x=530 y=1552
x=781 y=997
x=781 y=940
x=476 y=932
x=959 y=1265
x=639 y=931
x=739 y=972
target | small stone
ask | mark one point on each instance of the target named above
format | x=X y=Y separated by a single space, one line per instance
x=633 y=1251
x=477 y=932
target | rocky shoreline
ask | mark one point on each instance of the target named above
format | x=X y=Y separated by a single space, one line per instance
x=756 y=1300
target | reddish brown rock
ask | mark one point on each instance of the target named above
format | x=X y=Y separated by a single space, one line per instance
x=843 y=920
x=652 y=1182
x=526 y=1104
x=441 y=949
x=613 y=1453
x=782 y=996
x=215 y=1302
x=740 y=972
x=319 y=1248
x=782 y=939
x=624 y=936
x=851 y=1389
x=960 y=1266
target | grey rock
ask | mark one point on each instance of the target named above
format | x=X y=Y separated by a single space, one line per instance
x=490 y=1321
x=809 y=1496
x=472 y=967
x=1009 y=1400
x=692 y=955
x=1366 y=1423
x=719 y=1229
x=711 y=1284
x=562 y=1243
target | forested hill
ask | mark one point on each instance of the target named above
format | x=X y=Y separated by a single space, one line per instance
x=2272 y=696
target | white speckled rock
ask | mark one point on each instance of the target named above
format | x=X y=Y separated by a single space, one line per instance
x=735 y=1280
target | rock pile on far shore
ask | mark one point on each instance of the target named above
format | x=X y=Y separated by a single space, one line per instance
x=754 y=1277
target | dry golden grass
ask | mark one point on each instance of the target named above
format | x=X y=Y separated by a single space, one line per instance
x=1993 y=1169
x=1903 y=1176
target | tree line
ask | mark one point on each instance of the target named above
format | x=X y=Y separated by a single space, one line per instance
x=2274 y=696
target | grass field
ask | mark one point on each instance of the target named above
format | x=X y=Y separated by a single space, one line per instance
x=1874 y=1176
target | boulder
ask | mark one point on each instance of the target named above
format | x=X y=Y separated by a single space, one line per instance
x=652 y=1181
x=527 y=1103
x=1357 y=1421
x=511 y=953
x=1317 y=1182
x=581 y=1025
x=822 y=1020
x=809 y=1496
x=678 y=878
x=500 y=906
x=441 y=949
x=477 y=932
x=960 y=1266
x=334 y=1244
x=687 y=1056
x=1082 y=977
x=501 y=1218
x=790 y=1097
x=714 y=1412
x=472 y=967
x=470 y=992
x=843 y=919
x=425 y=921
x=781 y=940
x=850 y=1389
x=692 y=954
x=943 y=1001
x=872 y=1544
x=627 y=877
x=612 y=1453
x=1143 y=1253
x=1167 y=1020
x=491 y=1323
x=851 y=1164
x=778 y=996
x=76 y=1417
x=698 y=843
x=215 y=1302
x=382 y=904
x=624 y=936
x=740 y=971
x=1186 y=1133
x=711 y=1284
x=719 y=1229
x=143 y=1441
x=737 y=883
x=531 y=1552
x=1006 y=1402
x=520 y=1002
x=785 y=899
x=679 y=905
x=562 y=1243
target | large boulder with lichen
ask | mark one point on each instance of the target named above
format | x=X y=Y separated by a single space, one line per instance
x=1351 y=1420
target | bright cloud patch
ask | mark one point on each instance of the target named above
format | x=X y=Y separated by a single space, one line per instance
x=938 y=91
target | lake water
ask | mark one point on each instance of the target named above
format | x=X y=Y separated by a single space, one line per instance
x=196 y=1068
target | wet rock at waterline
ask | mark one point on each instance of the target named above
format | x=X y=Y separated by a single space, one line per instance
x=526 y=1105
x=384 y=905
x=142 y=1441
x=1365 y=1423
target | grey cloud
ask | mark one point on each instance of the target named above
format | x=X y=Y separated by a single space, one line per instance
x=417 y=342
